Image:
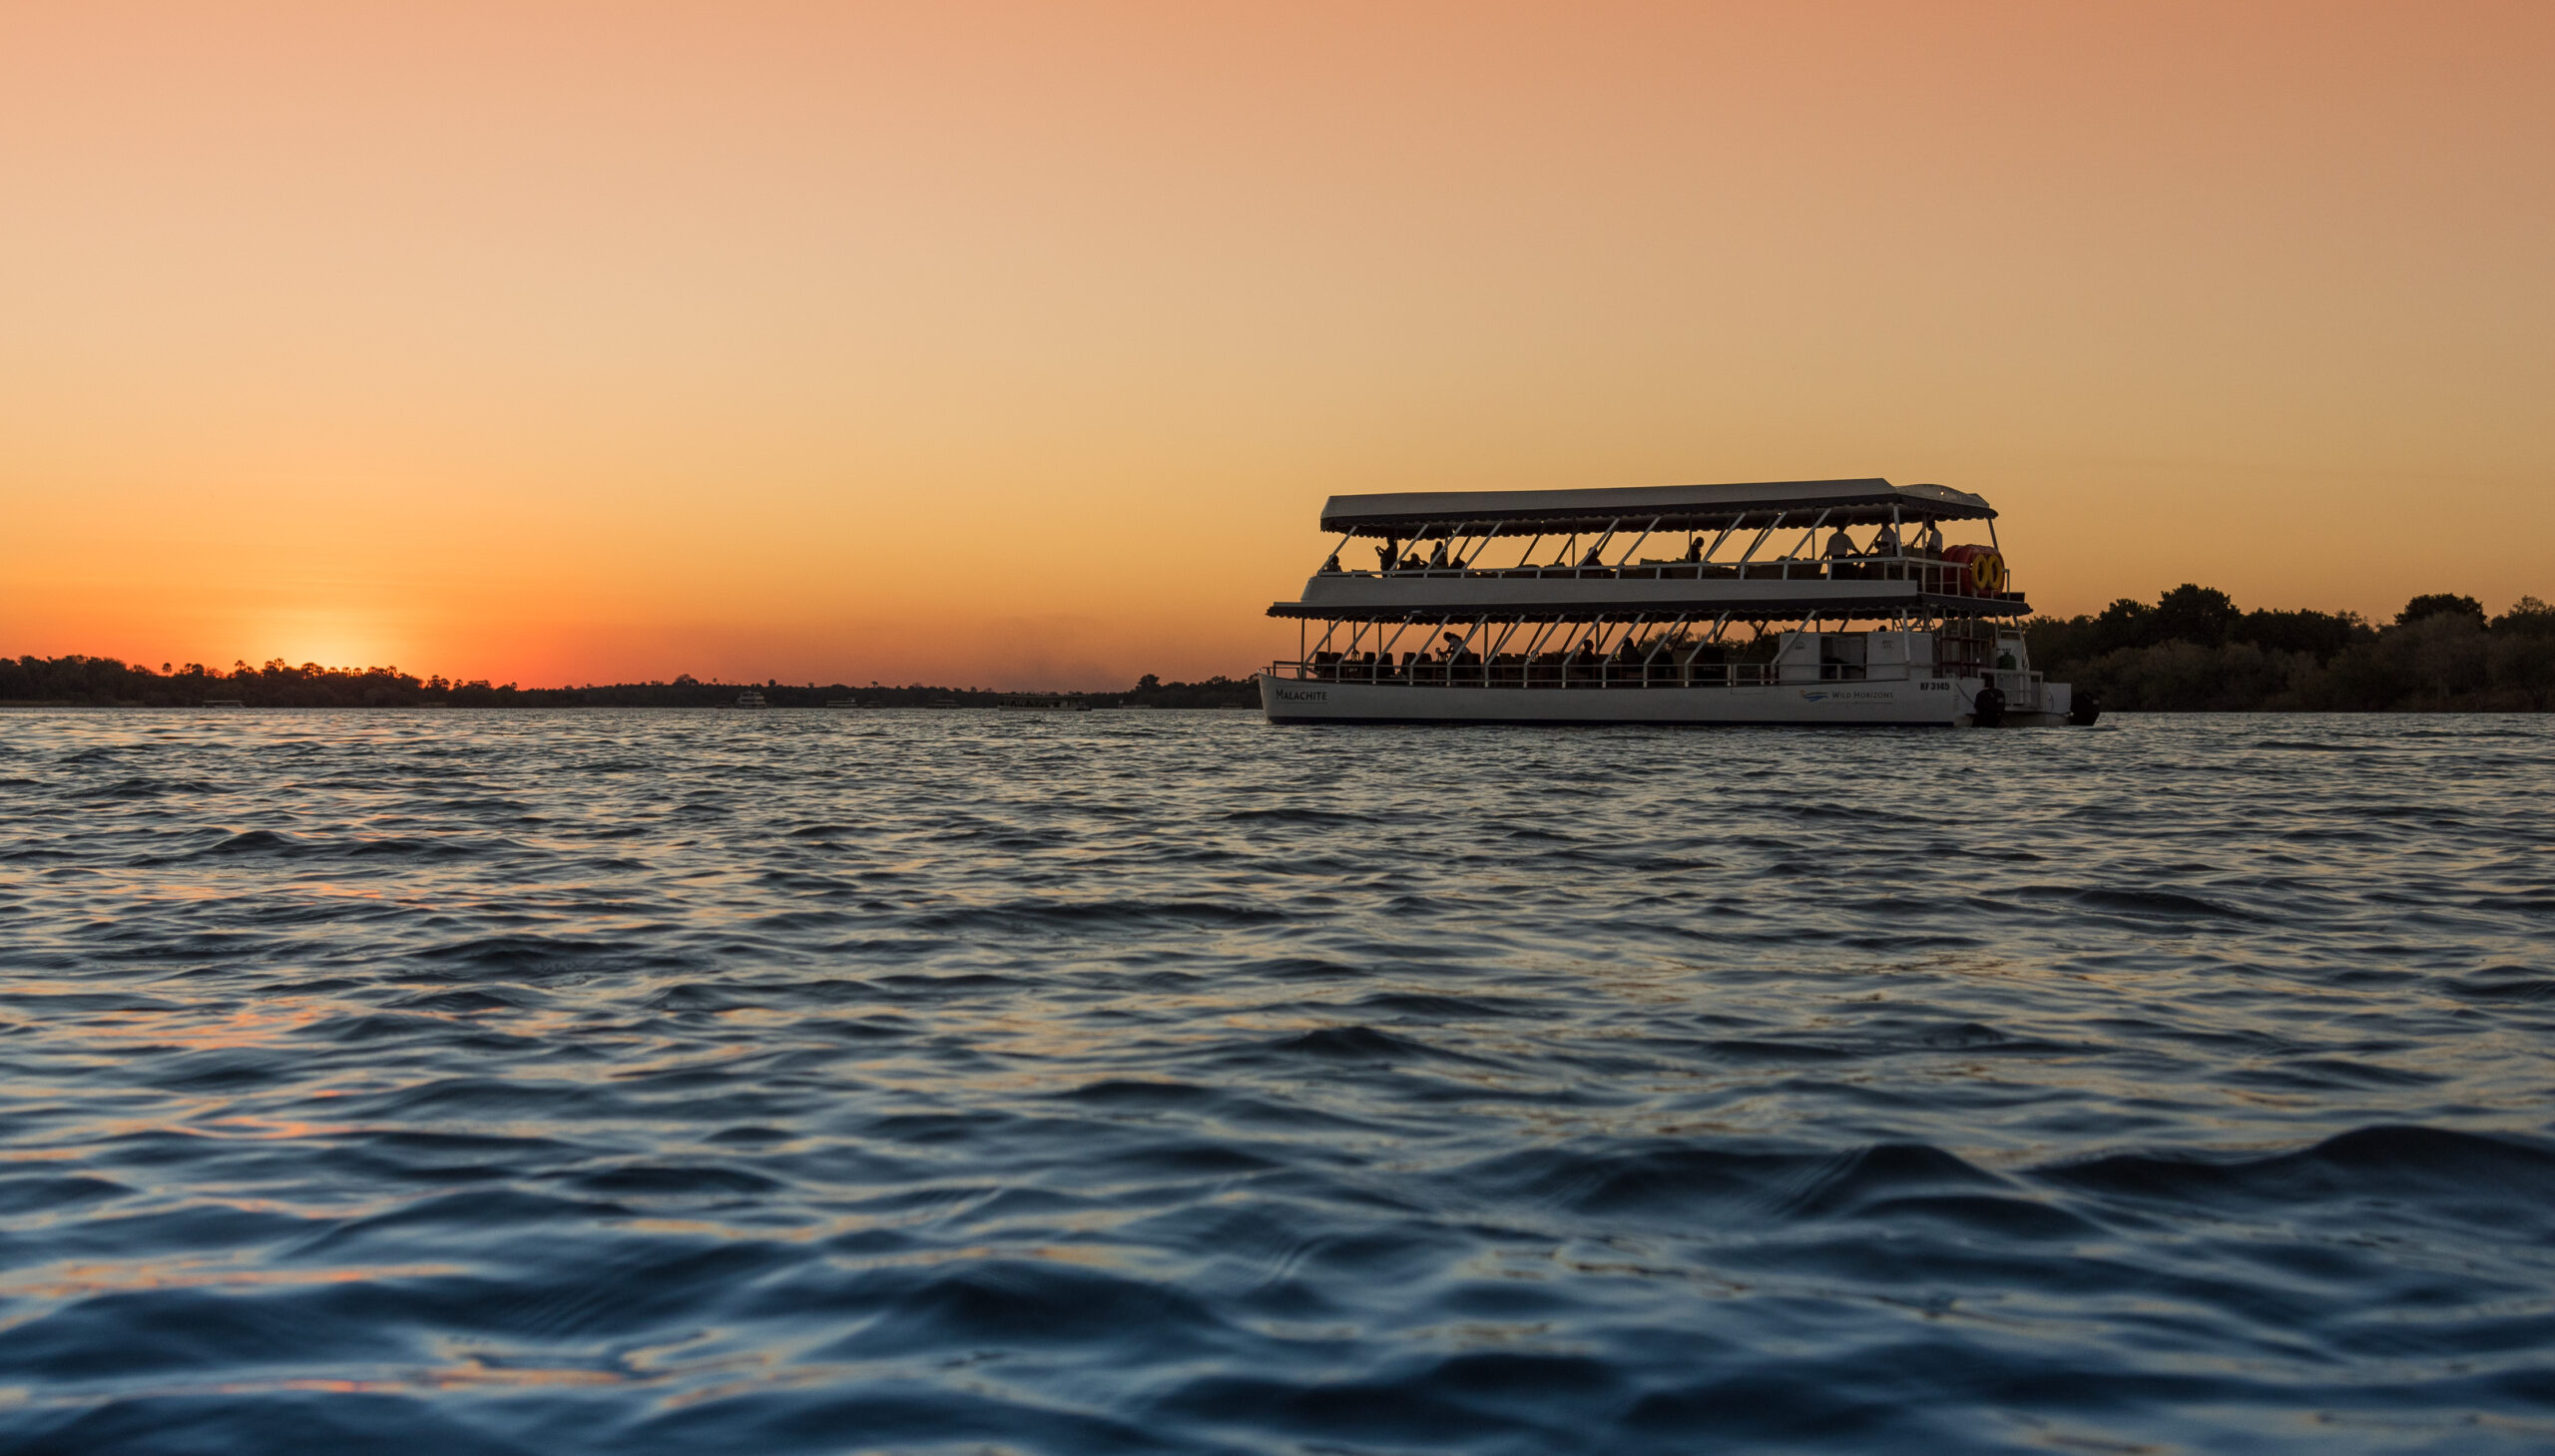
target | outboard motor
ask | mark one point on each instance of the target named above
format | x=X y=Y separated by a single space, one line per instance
x=1987 y=710
x=2084 y=708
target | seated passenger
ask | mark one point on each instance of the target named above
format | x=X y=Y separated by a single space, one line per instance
x=1591 y=558
x=1886 y=542
x=1331 y=567
x=1929 y=542
x=1841 y=545
x=1437 y=557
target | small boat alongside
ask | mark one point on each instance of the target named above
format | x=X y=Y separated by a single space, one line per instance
x=1789 y=602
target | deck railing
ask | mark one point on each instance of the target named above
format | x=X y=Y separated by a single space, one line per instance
x=1558 y=673
x=1933 y=574
x=2020 y=688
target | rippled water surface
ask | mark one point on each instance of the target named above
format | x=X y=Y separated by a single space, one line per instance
x=795 y=1081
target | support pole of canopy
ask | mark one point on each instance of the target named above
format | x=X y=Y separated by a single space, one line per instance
x=1457 y=650
x=1534 y=645
x=1659 y=644
x=1491 y=653
x=1754 y=546
x=1598 y=550
x=1675 y=638
x=1605 y=664
x=1457 y=552
x=1724 y=534
x=1806 y=537
x=1711 y=638
x=1397 y=632
x=1624 y=560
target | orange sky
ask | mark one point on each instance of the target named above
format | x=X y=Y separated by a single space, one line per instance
x=1018 y=346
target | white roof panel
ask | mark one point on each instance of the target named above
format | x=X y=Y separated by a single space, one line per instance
x=1674 y=507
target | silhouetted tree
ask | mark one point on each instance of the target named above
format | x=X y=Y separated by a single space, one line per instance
x=2443 y=604
x=2191 y=612
x=2528 y=617
x=2318 y=634
x=2124 y=623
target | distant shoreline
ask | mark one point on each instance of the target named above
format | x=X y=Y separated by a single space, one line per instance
x=85 y=681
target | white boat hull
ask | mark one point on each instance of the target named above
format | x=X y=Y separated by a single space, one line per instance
x=1926 y=703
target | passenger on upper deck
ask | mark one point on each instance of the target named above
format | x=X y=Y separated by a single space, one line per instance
x=1929 y=542
x=1437 y=556
x=1695 y=549
x=1841 y=545
x=1885 y=541
x=1331 y=567
x=1591 y=558
x=1384 y=556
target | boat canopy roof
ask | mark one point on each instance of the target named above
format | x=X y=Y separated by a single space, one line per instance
x=1407 y=514
x=1387 y=598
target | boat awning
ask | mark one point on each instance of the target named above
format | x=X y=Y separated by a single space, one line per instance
x=1408 y=513
x=1370 y=599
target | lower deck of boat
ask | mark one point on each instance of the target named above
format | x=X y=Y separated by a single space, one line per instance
x=1911 y=703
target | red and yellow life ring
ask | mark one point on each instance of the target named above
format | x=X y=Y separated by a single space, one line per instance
x=1982 y=569
x=1987 y=573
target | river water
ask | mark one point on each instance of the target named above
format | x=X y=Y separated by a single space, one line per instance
x=781 y=1082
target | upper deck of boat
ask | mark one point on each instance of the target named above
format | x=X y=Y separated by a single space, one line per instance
x=1896 y=575
x=1868 y=501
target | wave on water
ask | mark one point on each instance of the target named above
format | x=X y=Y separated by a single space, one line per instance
x=628 y=1082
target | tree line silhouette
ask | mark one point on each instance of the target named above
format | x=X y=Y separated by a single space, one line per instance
x=2195 y=650
x=85 y=681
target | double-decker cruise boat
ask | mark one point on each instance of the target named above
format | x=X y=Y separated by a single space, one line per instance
x=1792 y=601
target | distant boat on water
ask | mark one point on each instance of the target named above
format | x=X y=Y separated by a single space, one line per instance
x=750 y=698
x=1045 y=702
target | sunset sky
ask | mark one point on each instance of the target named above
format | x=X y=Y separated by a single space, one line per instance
x=1018 y=345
